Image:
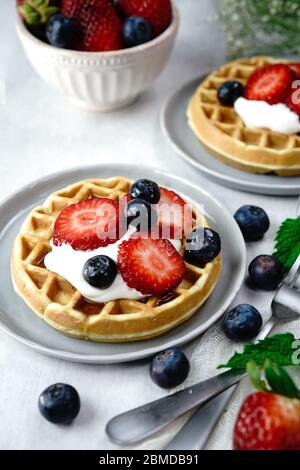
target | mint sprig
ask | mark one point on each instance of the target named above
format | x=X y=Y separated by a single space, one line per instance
x=277 y=348
x=287 y=242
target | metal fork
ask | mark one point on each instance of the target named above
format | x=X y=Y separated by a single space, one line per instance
x=195 y=433
x=140 y=423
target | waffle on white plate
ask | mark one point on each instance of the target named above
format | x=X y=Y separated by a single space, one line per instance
x=223 y=133
x=63 y=307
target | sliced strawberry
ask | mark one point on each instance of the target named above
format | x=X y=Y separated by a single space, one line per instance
x=174 y=215
x=296 y=68
x=153 y=267
x=270 y=83
x=293 y=100
x=88 y=224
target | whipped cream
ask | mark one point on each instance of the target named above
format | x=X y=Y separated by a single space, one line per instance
x=260 y=114
x=69 y=263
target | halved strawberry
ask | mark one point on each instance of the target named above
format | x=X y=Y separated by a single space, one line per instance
x=153 y=267
x=88 y=224
x=174 y=215
x=270 y=83
x=296 y=68
x=293 y=100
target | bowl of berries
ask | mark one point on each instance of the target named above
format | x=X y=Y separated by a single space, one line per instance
x=100 y=54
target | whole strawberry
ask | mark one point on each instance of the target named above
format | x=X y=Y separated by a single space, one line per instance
x=269 y=420
x=37 y=12
x=101 y=27
x=157 y=12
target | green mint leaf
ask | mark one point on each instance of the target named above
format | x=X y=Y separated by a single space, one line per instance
x=277 y=348
x=279 y=381
x=287 y=242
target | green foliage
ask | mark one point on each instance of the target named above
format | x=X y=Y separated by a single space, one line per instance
x=287 y=242
x=277 y=348
x=270 y=27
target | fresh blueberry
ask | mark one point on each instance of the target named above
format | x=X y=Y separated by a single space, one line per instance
x=62 y=31
x=146 y=190
x=136 y=31
x=140 y=214
x=266 y=272
x=253 y=222
x=59 y=403
x=169 y=368
x=100 y=271
x=229 y=92
x=242 y=323
x=202 y=246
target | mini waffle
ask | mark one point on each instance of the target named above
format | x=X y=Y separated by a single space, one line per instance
x=223 y=133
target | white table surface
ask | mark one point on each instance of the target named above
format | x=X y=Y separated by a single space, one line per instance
x=41 y=133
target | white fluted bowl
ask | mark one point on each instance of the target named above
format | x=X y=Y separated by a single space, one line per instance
x=100 y=81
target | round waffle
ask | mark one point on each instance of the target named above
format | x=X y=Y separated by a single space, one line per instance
x=223 y=133
x=56 y=301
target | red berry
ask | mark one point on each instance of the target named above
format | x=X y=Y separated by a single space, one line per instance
x=174 y=215
x=153 y=267
x=270 y=83
x=296 y=68
x=157 y=12
x=88 y=224
x=293 y=100
x=268 y=421
x=101 y=26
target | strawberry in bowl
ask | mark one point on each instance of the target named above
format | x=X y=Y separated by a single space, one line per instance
x=88 y=49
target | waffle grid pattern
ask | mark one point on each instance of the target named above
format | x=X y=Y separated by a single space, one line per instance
x=227 y=123
x=58 y=302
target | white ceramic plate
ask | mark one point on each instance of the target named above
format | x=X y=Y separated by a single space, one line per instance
x=176 y=130
x=23 y=325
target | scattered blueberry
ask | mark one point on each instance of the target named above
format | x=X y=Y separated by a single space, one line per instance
x=62 y=31
x=229 y=92
x=136 y=31
x=202 y=246
x=141 y=214
x=266 y=272
x=100 y=271
x=146 y=190
x=169 y=368
x=59 y=403
x=253 y=222
x=242 y=323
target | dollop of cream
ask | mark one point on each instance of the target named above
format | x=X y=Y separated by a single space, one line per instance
x=275 y=117
x=69 y=263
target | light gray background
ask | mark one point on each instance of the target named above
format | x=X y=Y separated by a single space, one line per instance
x=41 y=133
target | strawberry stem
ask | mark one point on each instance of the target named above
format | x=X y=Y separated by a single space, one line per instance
x=255 y=376
x=272 y=378
x=37 y=11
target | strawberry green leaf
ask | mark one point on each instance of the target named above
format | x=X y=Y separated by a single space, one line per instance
x=287 y=242
x=277 y=348
x=255 y=376
x=37 y=12
x=279 y=381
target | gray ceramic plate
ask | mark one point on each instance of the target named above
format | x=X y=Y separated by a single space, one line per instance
x=176 y=130
x=22 y=324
